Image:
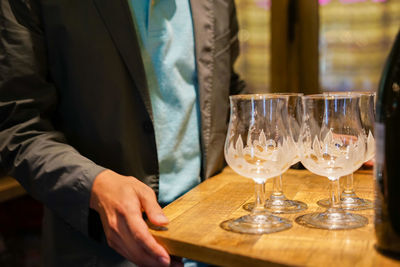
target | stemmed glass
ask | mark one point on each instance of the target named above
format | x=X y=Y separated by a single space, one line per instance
x=277 y=202
x=332 y=144
x=258 y=146
x=349 y=199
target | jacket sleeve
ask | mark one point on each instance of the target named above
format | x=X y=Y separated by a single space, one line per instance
x=237 y=84
x=30 y=149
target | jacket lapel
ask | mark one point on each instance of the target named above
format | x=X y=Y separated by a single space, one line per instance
x=203 y=20
x=118 y=20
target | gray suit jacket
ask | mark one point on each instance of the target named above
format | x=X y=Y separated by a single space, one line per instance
x=74 y=100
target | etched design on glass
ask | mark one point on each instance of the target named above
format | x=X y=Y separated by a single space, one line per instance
x=335 y=154
x=370 y=146
x=260 y=158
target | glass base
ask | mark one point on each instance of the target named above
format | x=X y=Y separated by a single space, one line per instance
x=256 y=224
x=332 y=221
x=285 y=206
x=349 y=203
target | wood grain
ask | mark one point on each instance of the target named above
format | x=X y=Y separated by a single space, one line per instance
x=194 y=230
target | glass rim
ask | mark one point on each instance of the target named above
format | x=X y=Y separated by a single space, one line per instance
x=258 y=96
x=288 y=94
x=368 y=93
x=330 y=97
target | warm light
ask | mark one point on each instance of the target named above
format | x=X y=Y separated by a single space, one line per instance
x=325 y=2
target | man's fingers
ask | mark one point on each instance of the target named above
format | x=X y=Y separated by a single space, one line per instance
x=141 y=233
x=139 y=256
x=120 y=200
x=132 y=243
x=135 y=253
x=146 y=259
x=152 y=208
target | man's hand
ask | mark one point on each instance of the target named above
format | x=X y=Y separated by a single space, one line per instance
x=120 y=201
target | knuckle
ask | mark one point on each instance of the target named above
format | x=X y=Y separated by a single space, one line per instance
x=112 y=227
x=149 y=193
x=120 y=207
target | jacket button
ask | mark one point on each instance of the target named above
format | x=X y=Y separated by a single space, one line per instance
x=148 y=127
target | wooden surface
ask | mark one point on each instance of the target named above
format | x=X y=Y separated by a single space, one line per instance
x=10 y=188
x=194 y=230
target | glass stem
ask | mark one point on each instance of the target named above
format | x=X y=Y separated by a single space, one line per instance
x=277 y=192
x=348 y=187
x=335 y=197
x=260 y=198
x=277 y=189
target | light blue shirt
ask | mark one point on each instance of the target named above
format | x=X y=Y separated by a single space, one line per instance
x=168 y=50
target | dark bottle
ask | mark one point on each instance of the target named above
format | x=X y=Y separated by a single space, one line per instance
x=387 y=159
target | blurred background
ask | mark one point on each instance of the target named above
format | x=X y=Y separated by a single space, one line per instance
x=286 y=45
x=313 y=46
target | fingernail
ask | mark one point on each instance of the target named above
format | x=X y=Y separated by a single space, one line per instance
x=164 y=261
x=163 y=218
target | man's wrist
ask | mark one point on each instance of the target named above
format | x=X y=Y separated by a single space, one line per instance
x=94 y=204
